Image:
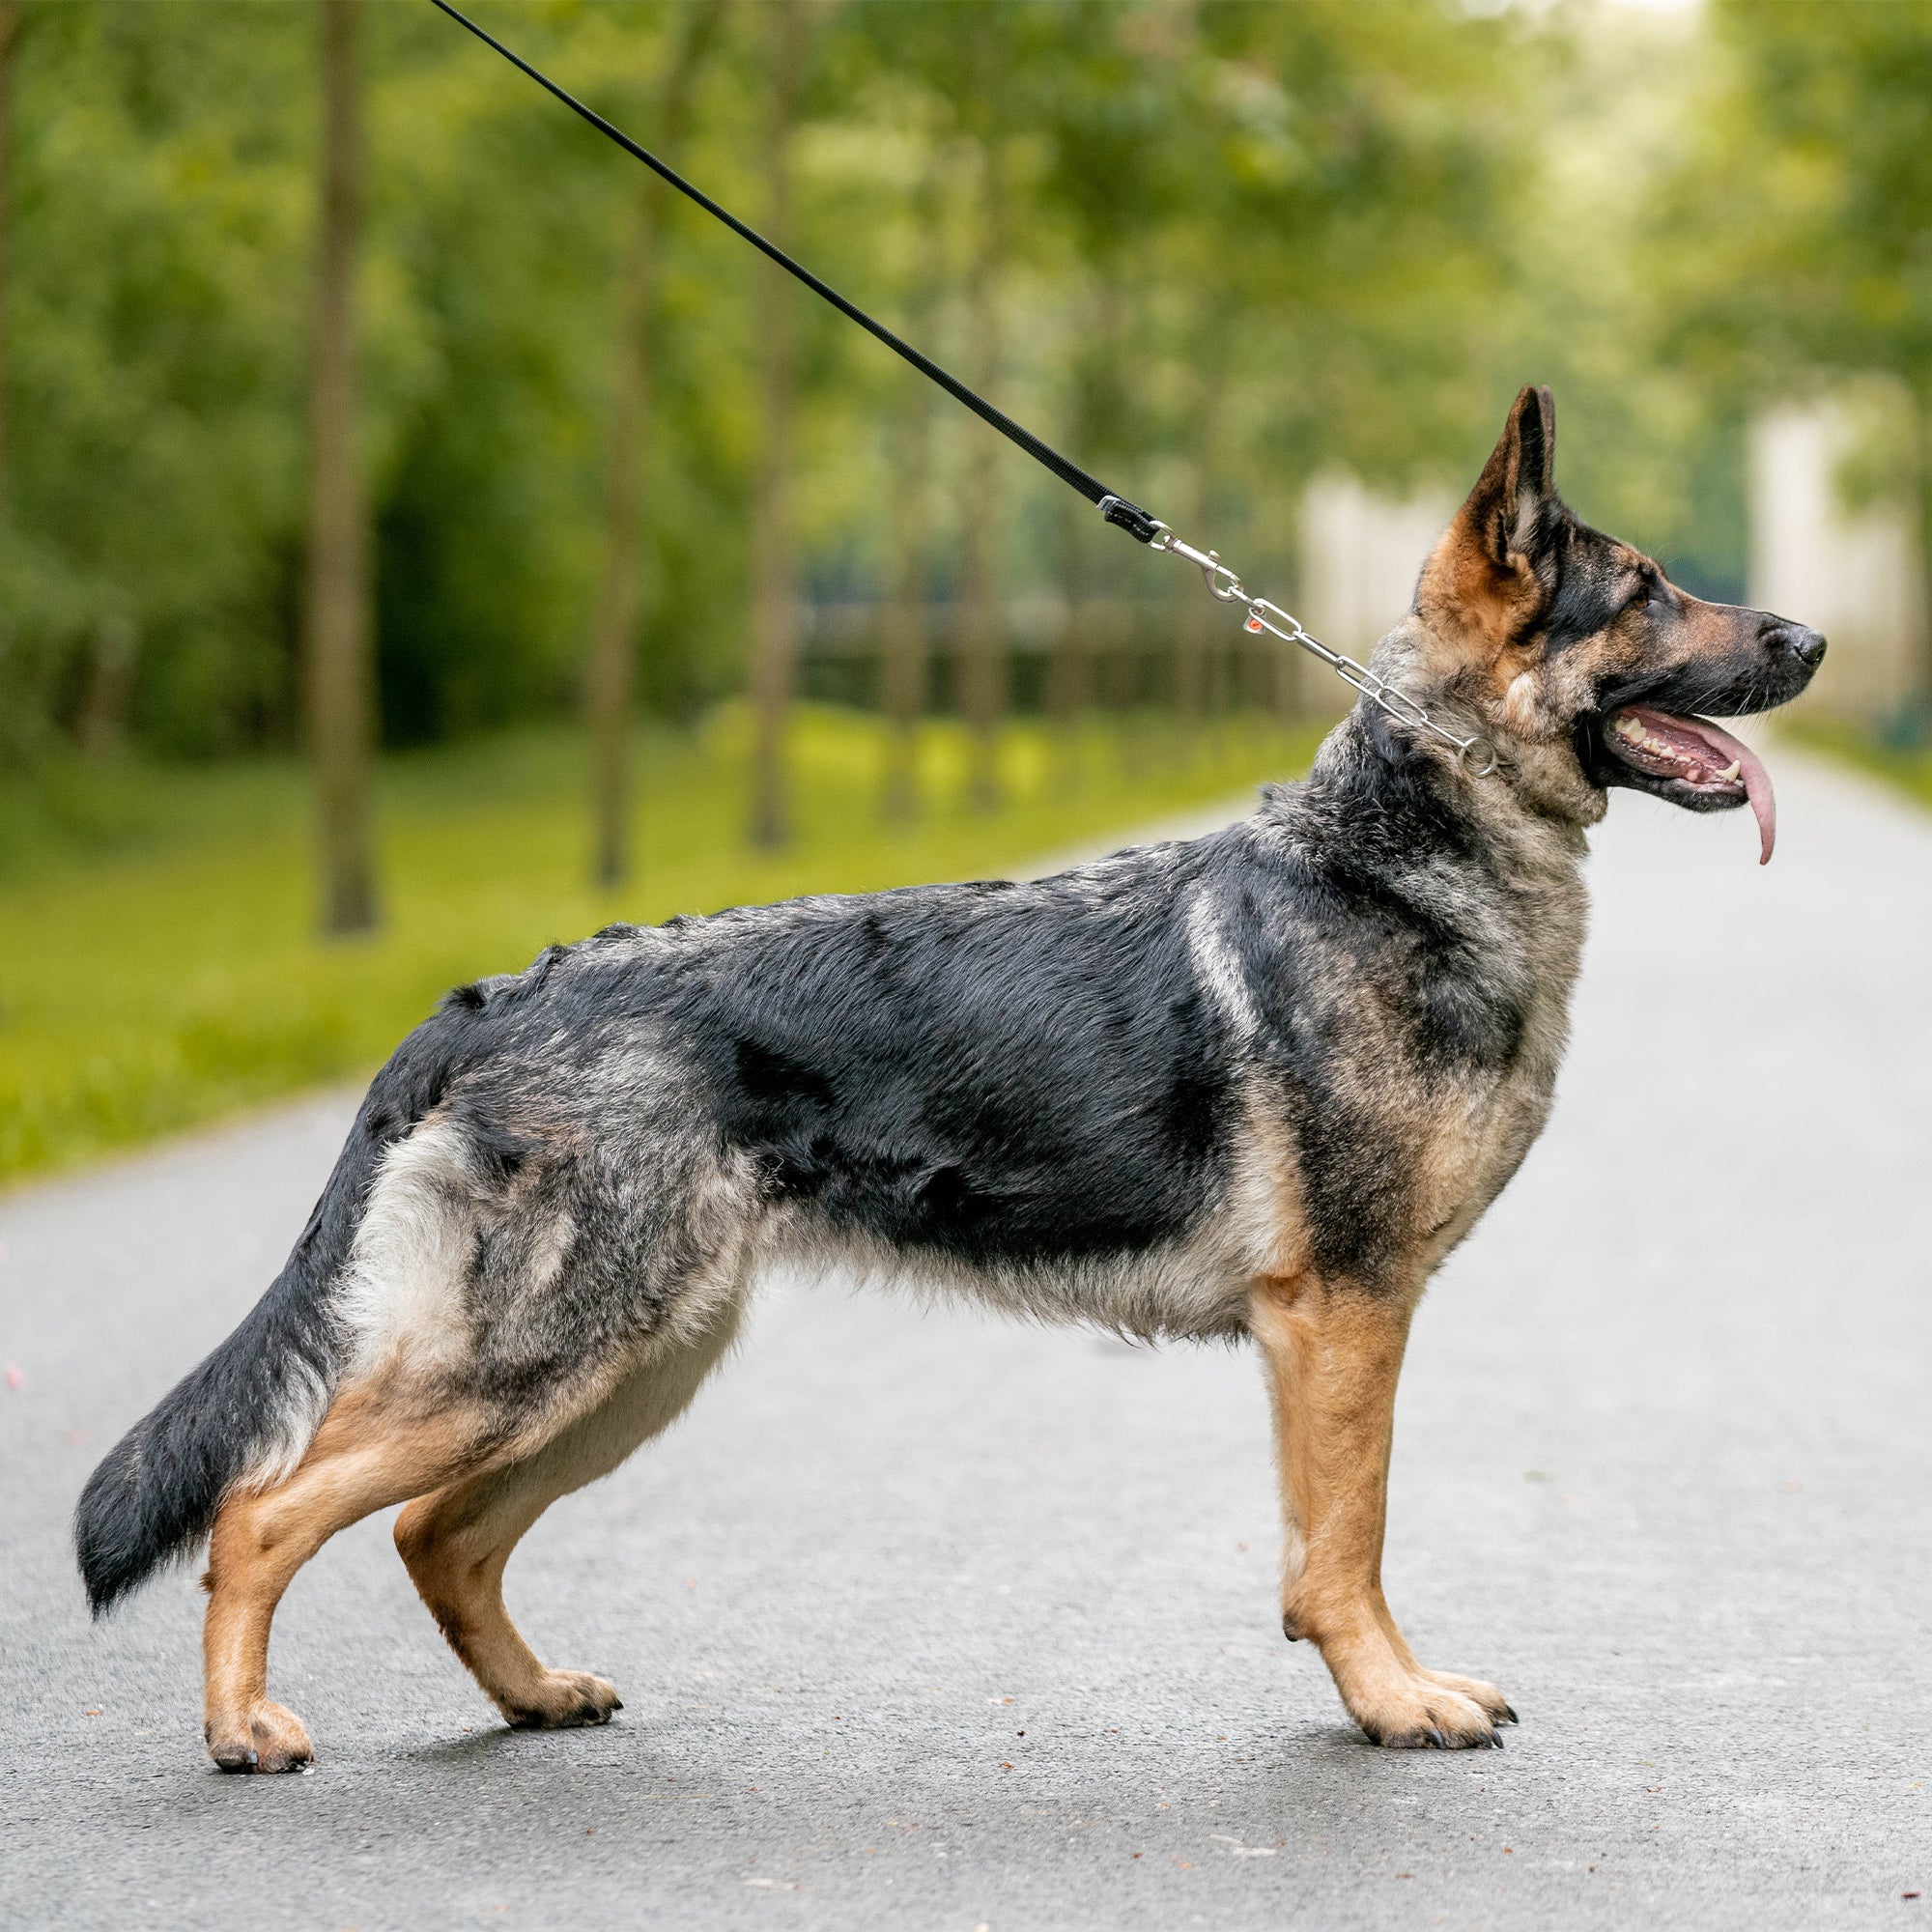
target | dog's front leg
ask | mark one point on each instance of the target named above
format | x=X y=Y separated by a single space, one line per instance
x=1334 y=1353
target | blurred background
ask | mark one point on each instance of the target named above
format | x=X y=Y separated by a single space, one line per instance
x=422 y=536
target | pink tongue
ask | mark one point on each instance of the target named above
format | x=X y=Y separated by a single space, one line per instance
x=1751 y=768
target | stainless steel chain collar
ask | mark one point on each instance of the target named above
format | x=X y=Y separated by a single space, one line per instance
x=1476 y=754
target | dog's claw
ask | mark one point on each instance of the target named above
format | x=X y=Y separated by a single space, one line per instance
x=1509 y=1716
x=1437 y=1738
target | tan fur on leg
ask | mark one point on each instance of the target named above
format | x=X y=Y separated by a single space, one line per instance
x=1334 y=1355
x=363 y=1457
x=457 y=1542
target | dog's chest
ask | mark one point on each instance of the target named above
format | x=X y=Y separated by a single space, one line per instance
x=1485 y=1127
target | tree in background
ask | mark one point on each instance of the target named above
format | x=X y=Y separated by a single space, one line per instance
x=773 y=593
x=10 y=29
x=613 y=637
x=904 y=658
x=1111 y=99
x=339 y=681
x=1333 y=187
x=1799 y=237
x=979 y=654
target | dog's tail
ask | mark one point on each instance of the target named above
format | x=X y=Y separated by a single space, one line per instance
x=248 y=1413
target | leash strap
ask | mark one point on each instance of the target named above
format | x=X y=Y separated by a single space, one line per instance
x=1115 y=508
x=1475 y=753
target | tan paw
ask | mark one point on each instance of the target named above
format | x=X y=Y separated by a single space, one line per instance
x=267 y=1738
x=1422 y=1715
x=1491 y=1700
x=560 y=1699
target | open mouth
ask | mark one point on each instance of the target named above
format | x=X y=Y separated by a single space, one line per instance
x=1690 y=761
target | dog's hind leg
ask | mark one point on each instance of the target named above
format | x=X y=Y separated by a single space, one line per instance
x=457 y=1541
x=368 y=1454
x=1334 y=1355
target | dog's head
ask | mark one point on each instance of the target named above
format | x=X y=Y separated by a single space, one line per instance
x=1584 y=662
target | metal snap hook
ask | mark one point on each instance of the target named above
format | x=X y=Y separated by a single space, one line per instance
x=1212 y=572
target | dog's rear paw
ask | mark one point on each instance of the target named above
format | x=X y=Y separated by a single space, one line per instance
x=267 y=1738
x=561 y=1700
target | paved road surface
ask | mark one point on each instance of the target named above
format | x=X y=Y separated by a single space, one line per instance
x=926 y=1622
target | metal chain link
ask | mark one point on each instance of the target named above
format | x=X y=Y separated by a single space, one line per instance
x=1476 y=754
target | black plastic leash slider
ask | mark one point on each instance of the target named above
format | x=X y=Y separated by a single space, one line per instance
x=1131 y=518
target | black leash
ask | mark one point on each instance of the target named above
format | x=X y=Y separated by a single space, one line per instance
x=1476 y=753
x=1113 y=508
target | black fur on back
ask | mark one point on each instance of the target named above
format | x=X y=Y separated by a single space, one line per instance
x=158 y=1492
x=988 y=1073
x=1037 y=1077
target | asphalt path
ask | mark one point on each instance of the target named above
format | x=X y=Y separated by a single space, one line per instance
x=924 y=1621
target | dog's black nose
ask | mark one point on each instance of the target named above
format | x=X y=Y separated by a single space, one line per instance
x=1797 y=640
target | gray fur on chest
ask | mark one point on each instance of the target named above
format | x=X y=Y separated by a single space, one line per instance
x=1406 y=1044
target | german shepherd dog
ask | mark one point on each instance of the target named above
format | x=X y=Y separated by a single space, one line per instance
x=1257 y=1084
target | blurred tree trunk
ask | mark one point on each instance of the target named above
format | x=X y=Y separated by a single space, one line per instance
x=982 y=642
x=614 y=639
x=905 y=661
x=774 y=606
x=340 y=678
x=1201 y=629
x=10 y=28
x=1069 y=676
x=1066 y=670
x=1194 y=626
x=1922 y=395
x=1075 y=677
x=110 y=682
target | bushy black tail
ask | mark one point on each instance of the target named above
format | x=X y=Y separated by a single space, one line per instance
x=260 y=1396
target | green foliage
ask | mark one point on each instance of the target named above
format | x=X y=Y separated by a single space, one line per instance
x=1240 y=240
x=157 y=961
x=1307 y=205
x=1243 y=241
x=1821 y=160
x=1791 y=249
x=154 y=375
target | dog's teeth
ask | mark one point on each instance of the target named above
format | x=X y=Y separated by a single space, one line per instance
x=1732 y=771
x=1630 y=728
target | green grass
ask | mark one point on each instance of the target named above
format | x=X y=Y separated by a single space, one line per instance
x=158 y=960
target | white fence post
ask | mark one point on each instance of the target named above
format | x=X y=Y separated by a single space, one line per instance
x=1361 y=553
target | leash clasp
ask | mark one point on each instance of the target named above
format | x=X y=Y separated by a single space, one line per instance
x=1223 y=583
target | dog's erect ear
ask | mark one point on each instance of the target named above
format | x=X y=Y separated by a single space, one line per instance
x=1492 y=565
x=1505 y=515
